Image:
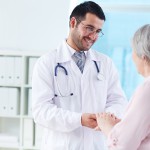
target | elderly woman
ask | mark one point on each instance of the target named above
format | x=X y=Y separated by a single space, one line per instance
x=133 y=131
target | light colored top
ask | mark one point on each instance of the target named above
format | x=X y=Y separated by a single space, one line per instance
x=133 y=132
x=93 y=92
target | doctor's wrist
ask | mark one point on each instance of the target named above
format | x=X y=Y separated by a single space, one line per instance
x=89 y=120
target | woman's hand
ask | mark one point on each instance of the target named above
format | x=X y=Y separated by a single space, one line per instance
x=106 y=121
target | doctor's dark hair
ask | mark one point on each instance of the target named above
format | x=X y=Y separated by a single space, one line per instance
x=80 y=11
x=141 y=42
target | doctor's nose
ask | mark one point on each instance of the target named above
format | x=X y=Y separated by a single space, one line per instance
x=93 y=36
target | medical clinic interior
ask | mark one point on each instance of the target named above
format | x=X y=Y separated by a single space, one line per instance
x=30 y=28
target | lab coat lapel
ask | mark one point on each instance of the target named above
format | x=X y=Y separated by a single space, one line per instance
x=75 y=69
x=90 y=58
x=64 y=56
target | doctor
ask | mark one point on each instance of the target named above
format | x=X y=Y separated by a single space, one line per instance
x=73 y=83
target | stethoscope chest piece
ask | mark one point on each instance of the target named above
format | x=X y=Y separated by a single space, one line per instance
x=100 y=77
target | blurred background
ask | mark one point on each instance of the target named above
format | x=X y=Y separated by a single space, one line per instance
x=123 y=18
x=28 y=29
x=35 y=25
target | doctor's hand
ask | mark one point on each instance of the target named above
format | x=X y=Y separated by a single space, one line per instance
x=89 y=120
x=106 y=121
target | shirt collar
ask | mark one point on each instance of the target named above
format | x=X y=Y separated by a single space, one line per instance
x=65 y=52
x=72 y=51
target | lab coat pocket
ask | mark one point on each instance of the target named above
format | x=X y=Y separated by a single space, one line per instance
x=100 y=82
x=100 y=86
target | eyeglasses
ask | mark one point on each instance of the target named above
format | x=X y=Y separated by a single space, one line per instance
x=91 y=30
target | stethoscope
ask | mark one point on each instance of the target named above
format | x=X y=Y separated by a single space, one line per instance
x=99 y=77
x=66 y=72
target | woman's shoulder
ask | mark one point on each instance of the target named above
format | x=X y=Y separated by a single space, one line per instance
x=142 y=94
x=146 y=85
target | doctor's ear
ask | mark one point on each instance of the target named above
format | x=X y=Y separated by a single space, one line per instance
x=73 y=22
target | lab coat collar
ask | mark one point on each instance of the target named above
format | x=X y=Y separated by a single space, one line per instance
x=65 y=55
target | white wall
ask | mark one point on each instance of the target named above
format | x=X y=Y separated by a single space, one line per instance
x=33 y=24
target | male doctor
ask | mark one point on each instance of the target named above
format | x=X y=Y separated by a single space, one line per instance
x=73 y=82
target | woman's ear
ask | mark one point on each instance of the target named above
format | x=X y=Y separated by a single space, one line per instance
x=145 y=59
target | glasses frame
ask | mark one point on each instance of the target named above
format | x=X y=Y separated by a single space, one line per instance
x=91 y=30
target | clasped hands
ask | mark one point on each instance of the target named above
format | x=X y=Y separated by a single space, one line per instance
x=101 y=121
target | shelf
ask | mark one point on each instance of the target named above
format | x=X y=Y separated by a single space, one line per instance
x=32 y=148
x=15 y=103
x=4 y=52
x=9 y=145
x=27 y=86
x=27 y=117
x=13 y=86
x=15 y=117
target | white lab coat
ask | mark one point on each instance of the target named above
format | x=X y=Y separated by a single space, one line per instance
x=93 y=92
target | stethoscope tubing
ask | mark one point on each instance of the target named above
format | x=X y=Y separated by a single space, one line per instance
x=59 y=65
x=66 y=72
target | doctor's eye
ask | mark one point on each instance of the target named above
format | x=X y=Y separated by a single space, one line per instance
x=89 y=29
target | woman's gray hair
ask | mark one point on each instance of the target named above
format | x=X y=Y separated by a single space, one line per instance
x=141 y=41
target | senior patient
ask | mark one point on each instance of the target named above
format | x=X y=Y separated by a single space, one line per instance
x=133 y=131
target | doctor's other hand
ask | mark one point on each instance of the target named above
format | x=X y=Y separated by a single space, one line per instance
x=106 y=121
x=89 y=120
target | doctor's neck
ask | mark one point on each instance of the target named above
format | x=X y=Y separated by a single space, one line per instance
x=72 y=44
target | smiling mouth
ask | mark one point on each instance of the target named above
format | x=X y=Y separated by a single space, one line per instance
x=88 y=41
